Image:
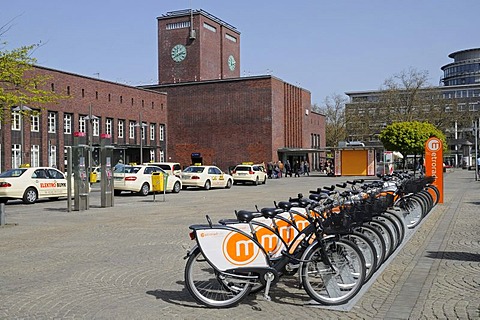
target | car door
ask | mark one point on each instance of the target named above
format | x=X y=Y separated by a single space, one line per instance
x=42 y=182
x=58 y=183
x=217 y=177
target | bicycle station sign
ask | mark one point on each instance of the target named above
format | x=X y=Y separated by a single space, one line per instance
x=434 y=162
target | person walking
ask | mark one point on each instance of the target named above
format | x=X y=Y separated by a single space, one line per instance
x=296 y=168
x=288 y=169
x=306 y=168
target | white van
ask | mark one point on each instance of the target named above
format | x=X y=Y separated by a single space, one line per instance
x=172 y=168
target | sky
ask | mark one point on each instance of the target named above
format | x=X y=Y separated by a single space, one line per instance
x=326 y=47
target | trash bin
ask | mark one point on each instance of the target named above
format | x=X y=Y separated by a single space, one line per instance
x=158 y=182
x=93 y=177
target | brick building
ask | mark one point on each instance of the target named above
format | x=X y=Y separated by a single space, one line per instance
x=218 y=117
x=92 y=106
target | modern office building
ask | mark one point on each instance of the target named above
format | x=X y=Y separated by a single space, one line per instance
x=458 y=97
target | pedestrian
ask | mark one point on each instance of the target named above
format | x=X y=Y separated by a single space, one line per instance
x=281 y=167
x=269 y=170
x=306 y=168
x=296 y=168
x=288 y=169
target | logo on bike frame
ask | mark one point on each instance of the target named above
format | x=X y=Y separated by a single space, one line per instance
x=238 y=249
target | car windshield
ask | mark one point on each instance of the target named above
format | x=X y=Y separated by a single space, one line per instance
x=12 y=173
x=194 y=169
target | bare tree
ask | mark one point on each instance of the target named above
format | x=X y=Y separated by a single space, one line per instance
x=334 y=111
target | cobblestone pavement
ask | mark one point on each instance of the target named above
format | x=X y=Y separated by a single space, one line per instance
x=127 y=262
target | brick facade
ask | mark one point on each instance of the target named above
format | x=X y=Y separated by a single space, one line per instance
x=107 y=100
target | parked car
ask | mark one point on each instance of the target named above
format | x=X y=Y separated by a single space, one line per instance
x=254 y=173
x=172 y=168
x=139 y=179
x=31 y=184
x=205 y=177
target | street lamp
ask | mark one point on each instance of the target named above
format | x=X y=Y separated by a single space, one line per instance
x=141 y=125
x=19 y=109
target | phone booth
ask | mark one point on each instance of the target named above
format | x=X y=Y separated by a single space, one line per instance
x=81 y=183
x=106 y=183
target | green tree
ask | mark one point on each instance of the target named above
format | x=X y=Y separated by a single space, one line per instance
x=334 y=111
x=409 y=138
x=19 y=84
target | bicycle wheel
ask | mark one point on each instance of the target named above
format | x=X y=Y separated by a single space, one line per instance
x=393 y=228
x=386 y=234
x=413 y=210
x=376 y=237
x=334 y=273
x=368 y=250
x=399 y=221
x=434 y=192
x=210 y=287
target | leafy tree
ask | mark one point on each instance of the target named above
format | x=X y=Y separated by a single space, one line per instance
x=334 y=111
x=19 y=84
x=409 y=137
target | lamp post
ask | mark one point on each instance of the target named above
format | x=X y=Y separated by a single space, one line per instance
x=20 y=109
x=141 y=125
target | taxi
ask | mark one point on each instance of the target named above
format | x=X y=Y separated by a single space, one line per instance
x=33 y=183
x=246 y=172
x=138 y=178
x=205 y=177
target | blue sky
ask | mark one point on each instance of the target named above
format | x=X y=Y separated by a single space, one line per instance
x=326 y=47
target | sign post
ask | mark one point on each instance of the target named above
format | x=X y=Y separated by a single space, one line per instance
x=434 y=163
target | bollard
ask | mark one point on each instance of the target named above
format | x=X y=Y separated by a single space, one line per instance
x=2 y=213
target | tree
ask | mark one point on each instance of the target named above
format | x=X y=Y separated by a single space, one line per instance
x=409 y=138
x=334 y=111
x=19 y=85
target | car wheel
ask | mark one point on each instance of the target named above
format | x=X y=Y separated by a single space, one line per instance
x=145 y=189
x=257 y=181
x=207 y=185
x=176 y=187
x=229 y=184
x=117 y=192
x=30 y=196
x=264 y=180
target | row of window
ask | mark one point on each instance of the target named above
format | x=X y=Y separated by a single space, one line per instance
x=464 y=68
x=461 y=94
x=82 y=125
x=34 y=155
x=178 y=25
x=475 y=106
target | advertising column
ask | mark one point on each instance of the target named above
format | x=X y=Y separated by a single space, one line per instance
x=434 y=163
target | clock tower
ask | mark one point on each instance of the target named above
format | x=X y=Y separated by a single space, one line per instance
x=194 y=45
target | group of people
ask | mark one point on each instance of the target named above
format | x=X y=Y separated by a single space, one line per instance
x=278 y=169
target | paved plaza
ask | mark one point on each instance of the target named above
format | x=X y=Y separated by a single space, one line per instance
x=127 y=262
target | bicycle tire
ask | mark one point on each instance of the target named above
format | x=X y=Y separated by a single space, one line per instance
x=386 y=234
x=412 y=210
x=376 y=237
x=368 y=250
x=399 y=221
x=208 y=287
x=338 y=283
x=393 y=228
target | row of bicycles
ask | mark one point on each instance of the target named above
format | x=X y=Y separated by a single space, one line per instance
x=334 y=239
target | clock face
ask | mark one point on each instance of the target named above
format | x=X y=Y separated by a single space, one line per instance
x=231 y=63
x=179 y=52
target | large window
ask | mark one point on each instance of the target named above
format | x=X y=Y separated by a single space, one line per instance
x=120 y=128
x=108 y=126
x=34 y=123
x=152 y=132
x=162 y=132
x=95 y=127
x=35 y=156
x=67 y=123
x=52 y=122
x=16 y=155
x=82 y=124
x=16 y=120
x=131 y=130
x=52 y=156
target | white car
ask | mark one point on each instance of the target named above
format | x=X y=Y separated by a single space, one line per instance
x=205 y=177
x=254 y=173
x=172 y=168
x=139 y=179
x=31 y=184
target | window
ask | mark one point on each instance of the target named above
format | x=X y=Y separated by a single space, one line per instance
x=120 y=128
x=35 y=155
x=16 y=155
x=178 y=25
x=52 y=123
x=162 y=156
x=152 y=155
x=142 y=130
x=16 y=120
x=209 y=27
x=82 y=124
x=34 y=123
x=131 y=130
x=67 y=123
x=52 y=156
x=162 y=132
x=230 y=37
x=108 y=126
x=152 y=132
x=96 y=127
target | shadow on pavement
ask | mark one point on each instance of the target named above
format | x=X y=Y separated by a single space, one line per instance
x=452 y=255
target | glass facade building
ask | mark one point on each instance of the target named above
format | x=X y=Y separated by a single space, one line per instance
x=464 y=70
